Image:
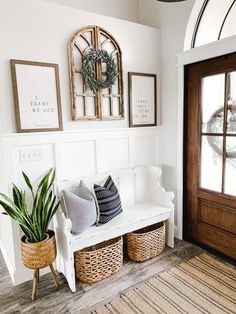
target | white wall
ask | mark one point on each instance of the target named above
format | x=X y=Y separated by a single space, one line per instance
x=44 y=37
x=39 y=31
x=172 y=20
x=123 y=9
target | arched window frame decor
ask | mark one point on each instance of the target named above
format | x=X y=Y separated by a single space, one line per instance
x=104 y=104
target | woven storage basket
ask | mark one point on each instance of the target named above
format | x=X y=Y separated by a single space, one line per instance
x=39 y=254
x=146 y=243
x=99 y=261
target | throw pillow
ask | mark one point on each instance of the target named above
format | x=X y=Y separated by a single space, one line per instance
x=108 y=199
x=84 y=192
x=80 y=210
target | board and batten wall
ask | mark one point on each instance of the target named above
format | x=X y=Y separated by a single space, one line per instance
x=39 y=31
x=171 y=19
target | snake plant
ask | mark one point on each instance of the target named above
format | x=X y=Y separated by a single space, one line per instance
x=34 y=223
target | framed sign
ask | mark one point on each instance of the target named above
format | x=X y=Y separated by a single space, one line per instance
x=36 y=96
x=142 y=99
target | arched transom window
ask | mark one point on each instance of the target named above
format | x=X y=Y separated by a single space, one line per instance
x=210 y=20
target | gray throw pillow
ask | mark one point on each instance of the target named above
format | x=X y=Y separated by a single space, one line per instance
x=84 y=192
x=80 y=210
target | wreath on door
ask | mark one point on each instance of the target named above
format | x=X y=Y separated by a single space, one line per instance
x=88 y=69
x=215 y=126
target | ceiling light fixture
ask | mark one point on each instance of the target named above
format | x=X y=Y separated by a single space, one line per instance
x=170 y=0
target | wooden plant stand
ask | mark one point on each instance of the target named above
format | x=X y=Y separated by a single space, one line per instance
x=40 y=255
x=36 y=280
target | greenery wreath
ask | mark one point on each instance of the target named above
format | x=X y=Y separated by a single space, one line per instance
x=88 y=69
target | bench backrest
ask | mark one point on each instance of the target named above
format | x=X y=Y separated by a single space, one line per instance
x=133 y=184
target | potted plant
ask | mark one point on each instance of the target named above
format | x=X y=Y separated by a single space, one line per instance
x=38 y=245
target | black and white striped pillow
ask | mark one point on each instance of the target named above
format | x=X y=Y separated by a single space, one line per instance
x=108 y=200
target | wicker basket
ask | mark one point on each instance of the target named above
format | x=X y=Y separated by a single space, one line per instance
x=39 y=254
x=146 y=243
x=99 y=261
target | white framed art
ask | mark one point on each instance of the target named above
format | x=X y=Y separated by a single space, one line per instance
x=37 y=97
x=142 y=99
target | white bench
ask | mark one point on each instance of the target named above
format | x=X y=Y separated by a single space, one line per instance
x=144 y=203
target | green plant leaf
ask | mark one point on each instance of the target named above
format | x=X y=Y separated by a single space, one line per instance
x=24 y=206
x=53 y=176
x=48 y=215
x=27 y=181
x=51 y=212
x=28 y=234
x=9 y=211
x=17 y=196
x=8 y=205
x=54 y=210
x=45 y=178
x=34 y=224
x=45 y=209
x=14 y=213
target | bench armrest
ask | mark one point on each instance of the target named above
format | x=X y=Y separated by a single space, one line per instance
x=62 y=222
x=157 y=193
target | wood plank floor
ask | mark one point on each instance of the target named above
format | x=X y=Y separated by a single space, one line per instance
x=87 y=297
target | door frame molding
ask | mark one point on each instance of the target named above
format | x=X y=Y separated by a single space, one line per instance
x=215 y=49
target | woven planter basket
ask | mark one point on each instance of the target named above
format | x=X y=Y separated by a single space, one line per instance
x=146 y=243
x=39 y=254
x=99 y=261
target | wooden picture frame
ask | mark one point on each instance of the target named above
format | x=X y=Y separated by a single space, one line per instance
x=37 y=99
x=142 y=99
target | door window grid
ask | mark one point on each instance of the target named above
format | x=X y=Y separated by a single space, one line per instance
x=219 y=129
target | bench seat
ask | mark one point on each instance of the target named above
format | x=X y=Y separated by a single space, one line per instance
x=132 y=218
x=144 y=202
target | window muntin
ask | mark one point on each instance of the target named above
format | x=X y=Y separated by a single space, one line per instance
x=218 y=133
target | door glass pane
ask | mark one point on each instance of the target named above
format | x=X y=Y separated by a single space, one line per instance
x=211 y=163
x=213 y=89
x=230 y=166
x=231 y=114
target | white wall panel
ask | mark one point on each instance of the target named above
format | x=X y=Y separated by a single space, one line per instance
x=78 y=158
x=144 y=151
x=113 y=154
x=33 y=168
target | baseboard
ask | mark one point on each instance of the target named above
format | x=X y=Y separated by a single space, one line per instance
x=176 y=231
x=178 y=234
x=8 y=263
x=21 y=275
x=24 y=275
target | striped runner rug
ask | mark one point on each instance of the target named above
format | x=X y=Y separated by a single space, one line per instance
x=203 y=284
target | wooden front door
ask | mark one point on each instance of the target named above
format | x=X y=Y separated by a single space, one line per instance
x=210 y=154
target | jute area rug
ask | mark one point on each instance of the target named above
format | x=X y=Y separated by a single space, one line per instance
x=201 y=285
